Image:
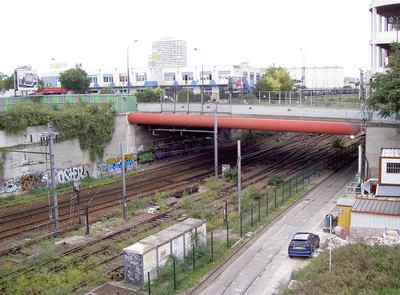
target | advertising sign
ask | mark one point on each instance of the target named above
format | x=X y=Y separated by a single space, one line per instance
x=50 y=82
x=26 y=79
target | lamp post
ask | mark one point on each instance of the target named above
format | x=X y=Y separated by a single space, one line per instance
x=127 y=62
x=392 y=20
x=202 y=81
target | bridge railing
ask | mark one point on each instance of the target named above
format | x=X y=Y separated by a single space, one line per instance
x=122 y=103
x=126 y=103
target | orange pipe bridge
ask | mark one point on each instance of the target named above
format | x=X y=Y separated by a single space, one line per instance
x=321 y=127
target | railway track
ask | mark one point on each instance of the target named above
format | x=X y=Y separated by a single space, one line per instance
x=172 y=177
x=295 y=149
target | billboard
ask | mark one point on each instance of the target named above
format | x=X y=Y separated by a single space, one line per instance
x=26 y=79
x=50 y=82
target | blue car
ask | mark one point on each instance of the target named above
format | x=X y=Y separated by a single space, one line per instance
x=303 y=244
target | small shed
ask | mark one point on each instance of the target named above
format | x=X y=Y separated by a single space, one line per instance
x=374 y=216
x=344 y=214
x=389 y=173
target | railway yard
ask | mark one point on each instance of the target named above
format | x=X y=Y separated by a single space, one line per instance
x=24 y=227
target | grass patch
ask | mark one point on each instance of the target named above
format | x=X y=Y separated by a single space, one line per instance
x=356 y=269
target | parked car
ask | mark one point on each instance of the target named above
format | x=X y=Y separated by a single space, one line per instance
x=303 y=244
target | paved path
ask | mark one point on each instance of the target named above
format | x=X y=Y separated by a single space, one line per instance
x=264 y=267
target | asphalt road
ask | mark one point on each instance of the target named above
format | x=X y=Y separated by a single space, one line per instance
x=264 y=267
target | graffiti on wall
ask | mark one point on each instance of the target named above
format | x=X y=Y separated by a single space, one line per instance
x=139 y=157
x=146 y=158
x=42 y=179
x=71 y=174
x=8 y=186
x=31 y=181
x=115 y=164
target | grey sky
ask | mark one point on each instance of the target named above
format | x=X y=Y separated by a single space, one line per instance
x=263 y=33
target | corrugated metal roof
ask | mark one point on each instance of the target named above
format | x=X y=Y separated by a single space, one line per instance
x=390 y=153
x=387 y=190
x=376 y=206
x=346 y=202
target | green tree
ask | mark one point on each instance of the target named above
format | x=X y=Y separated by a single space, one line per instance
x=75 y=80
x=385 y=87
x=107 y=90
x=150 y=95
x=3 y=79
x=274 y=79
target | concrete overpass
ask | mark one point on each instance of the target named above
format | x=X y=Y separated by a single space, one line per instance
x=291 y=118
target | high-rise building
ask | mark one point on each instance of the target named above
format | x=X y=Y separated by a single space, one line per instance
x=168 y=52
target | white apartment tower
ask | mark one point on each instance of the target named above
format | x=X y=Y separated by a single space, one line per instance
x=385 y=26
x=169 y=52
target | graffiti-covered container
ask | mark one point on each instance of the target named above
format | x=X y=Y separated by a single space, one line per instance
x=139 y=260
x=152 y=252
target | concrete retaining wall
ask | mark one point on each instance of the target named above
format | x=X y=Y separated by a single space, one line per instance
x=24 y=165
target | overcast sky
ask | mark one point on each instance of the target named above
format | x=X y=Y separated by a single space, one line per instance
x=97 y=33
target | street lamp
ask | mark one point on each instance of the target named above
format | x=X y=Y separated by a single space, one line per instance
x=202 y=80
x=127 y=62
x=395 y=25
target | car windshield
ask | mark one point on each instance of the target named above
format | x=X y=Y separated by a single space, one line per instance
x=299 y=243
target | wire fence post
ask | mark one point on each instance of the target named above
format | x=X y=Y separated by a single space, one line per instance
x=212 y=246
x=251 y=217
x=194 y=257
x=227 y=234
x=173 y=258
x=148 y=283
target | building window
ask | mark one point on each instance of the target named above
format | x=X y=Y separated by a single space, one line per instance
x=108 y=79
x=123 y=78
x=206 y=77
x=93 y=79
x=169 y=77
x=141 y=77
x=393 y=168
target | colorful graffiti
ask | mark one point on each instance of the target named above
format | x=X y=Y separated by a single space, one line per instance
x=38 y=180
x=31 y=181
x=115 y=164
x=8 y=186
x=146 y=158
x=112 y=165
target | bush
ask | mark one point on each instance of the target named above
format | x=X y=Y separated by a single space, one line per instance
x=275 y=179
x=337 y=142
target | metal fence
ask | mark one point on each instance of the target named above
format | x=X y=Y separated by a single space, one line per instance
x=221 y=240
x=122 y=103
x=127 y=103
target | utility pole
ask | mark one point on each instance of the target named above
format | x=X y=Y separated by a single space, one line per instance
x=50 y=135
x=123 y=180
x=216 y=142
x=239 y=178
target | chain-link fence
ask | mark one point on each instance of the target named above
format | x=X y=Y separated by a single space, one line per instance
x=221 y=242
